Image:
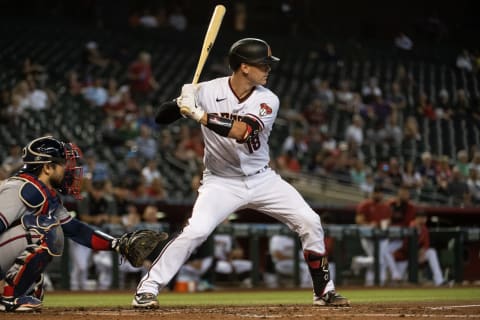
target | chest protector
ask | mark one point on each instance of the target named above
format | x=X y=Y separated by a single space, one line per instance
x=42 y=203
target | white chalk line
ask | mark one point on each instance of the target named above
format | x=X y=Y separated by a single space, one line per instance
x=454 y=307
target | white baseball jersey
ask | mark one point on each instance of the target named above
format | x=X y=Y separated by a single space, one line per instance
x=224 y=156
x=236 y=176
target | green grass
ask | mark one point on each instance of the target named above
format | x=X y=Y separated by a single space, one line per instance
x=264 y=297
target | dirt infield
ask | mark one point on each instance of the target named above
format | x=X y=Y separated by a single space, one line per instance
x=458 y=310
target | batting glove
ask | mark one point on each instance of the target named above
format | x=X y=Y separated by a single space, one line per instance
x=187 y=105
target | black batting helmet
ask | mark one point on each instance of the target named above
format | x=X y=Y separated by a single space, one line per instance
x=47 y=149
x=251 y=51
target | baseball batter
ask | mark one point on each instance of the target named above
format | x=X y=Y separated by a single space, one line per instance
x=237 y=114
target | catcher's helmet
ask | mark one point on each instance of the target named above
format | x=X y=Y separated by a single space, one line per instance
x=50 y=150
x=251 y=51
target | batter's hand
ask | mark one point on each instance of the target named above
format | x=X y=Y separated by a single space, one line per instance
x=187 y=105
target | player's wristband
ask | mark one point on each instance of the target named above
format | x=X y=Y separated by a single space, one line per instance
x=219 y=125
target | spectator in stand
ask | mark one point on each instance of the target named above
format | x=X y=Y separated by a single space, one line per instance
x=465 y=61
x=92 y=59
x=34 y=70
x=95 y=93
x=424 y=107
x=39 y=99
x=189 y=148
x=15 y=113
x=462 y=162
x=367 y=187
x=142 y=82
x=296 y=143
x=461 y=107
x=395 y=172
x=74 y=84
x=119 y=105
x=473 y=183
x=329 y=53
x=358 y=173
x=443 y=168
x=148 y=20
x=147 y=118
x=392 y=133
x=315 y=113
x=22 y=91
x=287 y=162
x=457 y=189
x=132 y=174
x=150 y=172
x=411 y=139
x=382 y=111
x=411 y=131
x=426 y=254
x=371 y=90
x=14 y=161
x=166 y=143
x=322 y=91
x=342 y=164
x=344 y=96
x=240 y=15
x=145 y=144
x=475 y=163
x=397 y=98
x=94 y=170
x=443 y=108
x=354 y=133
x=122 y=199
x=427 y=171
x=383 y=178
x=411 y=178
x=404 y=78
x=403 y=42
x=177 y=19
x=376 y=213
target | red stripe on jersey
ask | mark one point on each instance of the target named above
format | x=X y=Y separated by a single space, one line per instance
x=99 y=243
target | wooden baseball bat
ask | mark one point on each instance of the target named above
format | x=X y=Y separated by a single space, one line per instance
x=208 y=41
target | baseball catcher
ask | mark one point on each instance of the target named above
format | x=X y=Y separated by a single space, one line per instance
x=33 y=223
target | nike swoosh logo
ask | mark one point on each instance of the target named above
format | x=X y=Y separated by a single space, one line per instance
x=218 y=100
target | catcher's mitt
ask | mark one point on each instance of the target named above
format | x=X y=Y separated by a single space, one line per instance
x=136 y=246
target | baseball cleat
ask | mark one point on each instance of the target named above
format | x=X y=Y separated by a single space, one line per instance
x=145 y=300
x=331 y=298
x=20 y=304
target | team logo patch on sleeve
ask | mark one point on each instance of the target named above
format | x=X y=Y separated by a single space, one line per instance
x=264 y=110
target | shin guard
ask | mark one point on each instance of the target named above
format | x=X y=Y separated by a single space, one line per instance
x=318 y=267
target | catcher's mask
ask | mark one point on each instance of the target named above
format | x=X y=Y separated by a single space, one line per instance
x=50 y=150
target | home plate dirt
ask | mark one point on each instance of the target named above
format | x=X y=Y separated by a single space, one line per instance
x=431 y=310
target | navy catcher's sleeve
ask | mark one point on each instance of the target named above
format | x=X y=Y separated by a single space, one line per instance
x=167 y=113
x=85 y=235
